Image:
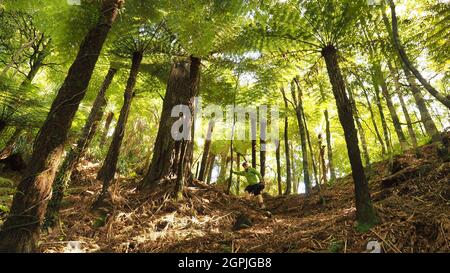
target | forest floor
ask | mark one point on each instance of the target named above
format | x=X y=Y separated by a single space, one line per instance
x=411 y=197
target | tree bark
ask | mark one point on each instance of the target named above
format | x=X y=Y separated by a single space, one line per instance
x=64 y=174
x=109 y=166
x=223 y=167
x=313 y=161
x=322 y=165
x=286 y=147
x=362 y=134
x=329 y=148
x=262 y=147
x=20 y=232
x=301 y=127
x=405 y=59
x=425 y=117
x=382 y=117
x=395 y=120
x=328 y=137
x=398 y=91
x=365 y=212
x=11 y=143
x=182 y=87
x=372 y=117
x=238 y=178
x=295 y=179
x=277 y=157
x=212 y=159
x=206 y=149
x=104 y=135
x=253 y=132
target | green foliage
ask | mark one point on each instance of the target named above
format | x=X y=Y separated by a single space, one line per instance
x=251 y=48
x=336 y=246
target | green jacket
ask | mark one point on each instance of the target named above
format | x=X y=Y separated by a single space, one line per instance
x=251 y=174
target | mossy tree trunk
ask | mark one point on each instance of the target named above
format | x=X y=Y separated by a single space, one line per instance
x=20 y=232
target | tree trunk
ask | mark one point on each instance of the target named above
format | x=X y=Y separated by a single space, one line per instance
x=262 y=147
x=302 y=132
x=194 y=89
x=108 y=169
x=398 y=91
x=420 y=124
x=62 y=178
x=382 y=117
x=322 y=165
x=182 y=87
x=163 y=166
x=11 y=143
x=206 y=149
x=212 y=159
x=329 y=148
x=223 y=167
x=20 y=232
x=108 y=120
x=238 y=178
x=365 y=212
x=362 y=134
x=445 y=100
x=295 y=179
x=253 y=132
x=425 y=116
x=395 y=120
x=372 y=117
x=313 y=161
x=277 y=156
x=286 y=146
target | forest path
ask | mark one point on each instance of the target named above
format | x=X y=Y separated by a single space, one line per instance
x=411 y=198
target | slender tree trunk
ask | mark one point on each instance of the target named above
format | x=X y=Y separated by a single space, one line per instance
x=253 y=132
x=108 y=169
x=238 y=178
x=16 y=56
x=108 y=120
x=328 y=137
x=445 y=100
x=322 y=166
x=223 y=167
x=382 y=117
x=11 y=143
x=206 y=149
x=422 y=130
x=362 y=134
x=20 y=232
x=293 y=169
x=372 y=117
x=262 y=147
x=425 y=117
x=302 y=132
x=313 y=161
x=212 y=159
x=365 y=213
x=197 y=168
x=286 y=146
x=398 y=91
x=329 y=147
x=395 y=120
x=70 y=162
x=277 y=156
